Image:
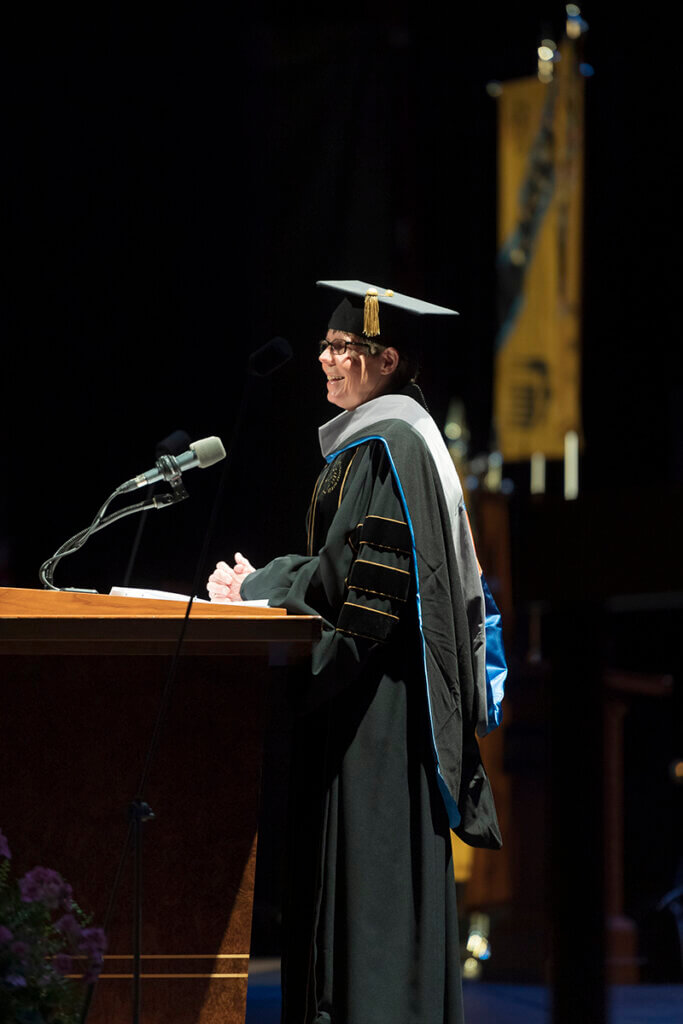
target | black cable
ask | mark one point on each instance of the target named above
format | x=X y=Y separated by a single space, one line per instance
x=75 y=543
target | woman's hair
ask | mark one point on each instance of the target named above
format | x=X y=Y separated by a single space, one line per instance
x=408 y=364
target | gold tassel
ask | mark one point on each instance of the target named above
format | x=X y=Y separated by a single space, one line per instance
x=371 y=314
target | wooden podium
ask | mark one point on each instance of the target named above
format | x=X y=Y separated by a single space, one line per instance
x=82 y=676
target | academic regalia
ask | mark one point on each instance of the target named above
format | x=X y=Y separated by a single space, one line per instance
x=384 y=749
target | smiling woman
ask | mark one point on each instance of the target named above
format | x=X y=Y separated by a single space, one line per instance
x=384 y=756
x=355 y=374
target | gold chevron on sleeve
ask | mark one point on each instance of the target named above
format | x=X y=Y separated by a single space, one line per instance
x=387 y=519
x=368 y=561
x=368 y=608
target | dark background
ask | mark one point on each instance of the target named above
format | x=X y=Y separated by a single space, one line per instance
x=174 y=184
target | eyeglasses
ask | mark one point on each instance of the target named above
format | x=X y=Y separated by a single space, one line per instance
x=340 y=345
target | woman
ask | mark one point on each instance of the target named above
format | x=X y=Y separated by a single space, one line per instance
x=385 y=756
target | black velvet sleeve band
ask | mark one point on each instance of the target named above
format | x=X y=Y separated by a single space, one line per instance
x=378 y=581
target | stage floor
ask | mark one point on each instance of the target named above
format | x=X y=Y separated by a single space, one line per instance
x=488 y=1003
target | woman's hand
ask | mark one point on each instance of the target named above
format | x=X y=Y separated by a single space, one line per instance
x=224 y=582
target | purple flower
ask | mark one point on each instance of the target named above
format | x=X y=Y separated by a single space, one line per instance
x=63 y=964
x=5 y=935
x=4 y=848
x=15 y=980
x=93 y=942
x=43 y=885
x=70 y=929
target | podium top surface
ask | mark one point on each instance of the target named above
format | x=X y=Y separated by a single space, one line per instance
x=60 y=622
x=16 y=603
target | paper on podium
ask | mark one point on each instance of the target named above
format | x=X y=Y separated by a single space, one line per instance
x=165 y=595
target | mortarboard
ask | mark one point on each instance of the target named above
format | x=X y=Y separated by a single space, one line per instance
x=394 y=310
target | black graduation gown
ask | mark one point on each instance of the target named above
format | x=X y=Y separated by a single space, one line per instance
x=371 y=929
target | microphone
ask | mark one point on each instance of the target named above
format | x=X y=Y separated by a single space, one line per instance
x=270 y=357
x=202 y=453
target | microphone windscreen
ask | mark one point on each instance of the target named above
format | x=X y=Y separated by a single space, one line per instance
x=174 y=444
x=270 y=357
x=208 y=451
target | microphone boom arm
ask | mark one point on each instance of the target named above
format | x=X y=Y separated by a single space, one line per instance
x=75 y=543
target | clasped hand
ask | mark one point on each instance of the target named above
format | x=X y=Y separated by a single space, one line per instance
x=224 y=582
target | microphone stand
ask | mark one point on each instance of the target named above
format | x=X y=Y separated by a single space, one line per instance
x=75 y=543
x=139 y=811
x=136 y=541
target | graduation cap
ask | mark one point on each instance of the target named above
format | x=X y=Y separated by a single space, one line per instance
x=372 y=312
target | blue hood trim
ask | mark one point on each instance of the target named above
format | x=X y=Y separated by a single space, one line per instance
x=496 y=665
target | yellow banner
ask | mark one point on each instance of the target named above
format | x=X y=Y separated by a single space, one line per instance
x=537 y=395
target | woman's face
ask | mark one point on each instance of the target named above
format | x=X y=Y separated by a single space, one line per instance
x=355 y=376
